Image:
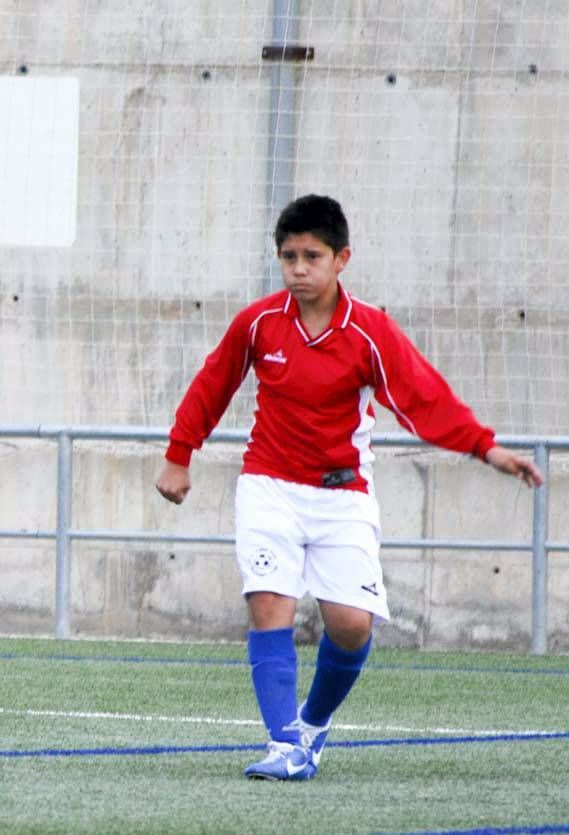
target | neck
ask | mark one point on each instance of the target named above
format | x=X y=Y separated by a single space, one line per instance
x=316 y=316
x=319 y=308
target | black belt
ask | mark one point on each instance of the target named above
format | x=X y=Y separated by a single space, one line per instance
x=336 y=478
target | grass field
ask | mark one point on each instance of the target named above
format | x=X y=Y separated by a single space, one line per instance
x=153 y=738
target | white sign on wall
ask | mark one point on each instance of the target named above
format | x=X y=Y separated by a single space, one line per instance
x=39 y=140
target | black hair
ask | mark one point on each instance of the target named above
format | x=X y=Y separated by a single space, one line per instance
x=321 y=216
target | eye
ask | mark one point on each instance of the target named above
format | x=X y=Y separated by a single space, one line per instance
x=287 y=256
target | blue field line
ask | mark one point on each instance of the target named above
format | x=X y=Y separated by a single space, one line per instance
x=240 y=662
x=438 y=668
x=130 y=751
x=129 y=659
x=544 y=829
x=208 y=749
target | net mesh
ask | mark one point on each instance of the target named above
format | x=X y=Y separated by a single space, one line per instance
x=440 y=127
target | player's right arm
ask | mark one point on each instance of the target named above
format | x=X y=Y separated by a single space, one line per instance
x=203 y=405
x=174 y=482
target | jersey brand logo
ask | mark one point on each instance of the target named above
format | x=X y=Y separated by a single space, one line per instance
x=372 y=588
x=278 y=356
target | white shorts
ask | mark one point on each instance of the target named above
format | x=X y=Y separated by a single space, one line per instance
x=292 y=538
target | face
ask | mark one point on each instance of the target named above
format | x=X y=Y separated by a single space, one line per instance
x=311 y=267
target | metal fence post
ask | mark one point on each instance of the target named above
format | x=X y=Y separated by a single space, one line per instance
x=62 y=539
x=539 y=555
x=281 y=127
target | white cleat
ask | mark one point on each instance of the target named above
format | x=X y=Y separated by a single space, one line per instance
x=312 y=737
x=284 y=761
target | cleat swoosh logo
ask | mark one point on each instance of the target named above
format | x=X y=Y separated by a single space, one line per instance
x=292 y=769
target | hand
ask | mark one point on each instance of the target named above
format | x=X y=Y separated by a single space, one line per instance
x=173 y=482
x=507 y=461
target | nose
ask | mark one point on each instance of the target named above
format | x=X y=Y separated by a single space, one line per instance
x=300 y=266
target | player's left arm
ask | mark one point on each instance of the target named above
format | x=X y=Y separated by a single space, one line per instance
x=509 y=462
x=424 y=403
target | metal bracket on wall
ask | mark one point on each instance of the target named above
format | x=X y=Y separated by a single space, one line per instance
x=285 y=52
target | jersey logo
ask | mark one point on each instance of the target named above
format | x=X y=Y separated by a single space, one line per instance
x=278 y=356
x=372 y=588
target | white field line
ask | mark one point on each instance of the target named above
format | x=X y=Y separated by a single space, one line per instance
x=215 y=720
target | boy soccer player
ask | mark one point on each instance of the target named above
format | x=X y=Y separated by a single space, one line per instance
x=306 y=515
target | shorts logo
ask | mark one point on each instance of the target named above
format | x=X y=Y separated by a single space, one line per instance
x=263 y=561
x=372 y=588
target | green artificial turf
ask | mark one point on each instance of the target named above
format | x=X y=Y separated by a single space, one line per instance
x=108 y=696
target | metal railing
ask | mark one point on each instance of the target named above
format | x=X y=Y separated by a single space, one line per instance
x=64 y=533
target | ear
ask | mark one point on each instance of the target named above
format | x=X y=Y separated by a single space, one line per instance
x=342 y=258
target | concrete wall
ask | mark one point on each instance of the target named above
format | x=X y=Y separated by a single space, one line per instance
x=442 y=129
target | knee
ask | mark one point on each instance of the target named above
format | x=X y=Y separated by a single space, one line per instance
x=351 y=635
x=268 y=610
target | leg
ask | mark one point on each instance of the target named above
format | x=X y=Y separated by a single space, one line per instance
x=341 y=655
x=349 y=628
x=270 y=552
x=345 y=576
x=272 y=656
x=268 y=610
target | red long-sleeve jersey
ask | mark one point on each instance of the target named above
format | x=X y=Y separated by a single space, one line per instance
x=314 y=413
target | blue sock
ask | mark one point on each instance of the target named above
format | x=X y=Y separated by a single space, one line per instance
x=336 y=673
x=272 y=656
